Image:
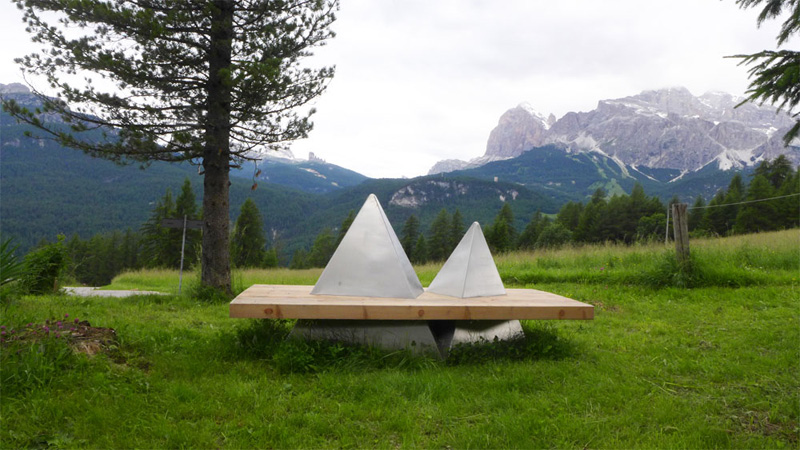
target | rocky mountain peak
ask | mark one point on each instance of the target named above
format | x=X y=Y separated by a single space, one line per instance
x=664 y=128
x=518 y=129
x=14 y=88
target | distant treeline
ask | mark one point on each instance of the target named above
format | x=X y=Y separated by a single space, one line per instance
x=770 y=201
x=95 y=261
x=620 y=218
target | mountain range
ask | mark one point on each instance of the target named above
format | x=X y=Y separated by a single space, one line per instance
x=46 y=189
x=658 y=129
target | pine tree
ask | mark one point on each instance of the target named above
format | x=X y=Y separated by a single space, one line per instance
x=299 y=260
x=588 y=229
x=696 y=213
x=734 y=195
x=788 y=207
x=570 y=215
x=271 y=258
x=248 y=241
x=529 y=236
x=204 y=81
x=323 y=248
x=186 y=206
x=410 y=234
x=713 y=220
x=439 y=242
x=758 y=216
x=774 y=74
x=501 y=235
x=457 y=230
x=775 y=171
x=420 y=253
x=351 y=216
x=159 y=246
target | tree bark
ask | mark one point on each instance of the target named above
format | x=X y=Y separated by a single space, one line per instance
x=216 y=269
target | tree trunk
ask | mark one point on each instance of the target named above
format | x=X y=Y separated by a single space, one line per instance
x=216 y=270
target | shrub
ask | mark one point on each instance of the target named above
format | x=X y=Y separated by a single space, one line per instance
x=43 y=268
x=11 y=268
x=554 y=236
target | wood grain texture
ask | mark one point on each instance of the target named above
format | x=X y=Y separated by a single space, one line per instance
x=296 y=302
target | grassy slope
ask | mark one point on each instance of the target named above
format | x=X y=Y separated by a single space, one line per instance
x=716 y=365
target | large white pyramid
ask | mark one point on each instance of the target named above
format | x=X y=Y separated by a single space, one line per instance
x=369 y=261
x=470 y=270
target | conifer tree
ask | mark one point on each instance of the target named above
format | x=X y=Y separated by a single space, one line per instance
x=205 y=81
x=774 y=74
x=529 y=236
x=569 y=215
x=410 y=234
x=788 y=207
x=186 y=206
x=457 y=230
x=588 y=223
x=323 y=248
x=776 y=171
x=735 y=194
x=351 y=216
x=714 y=220
x=757 y=216
x=160 y=248
x=439 y=241
x=501 y=235
x=420 y=253
x=299 y=260
x=696 y=213
x=248 y=243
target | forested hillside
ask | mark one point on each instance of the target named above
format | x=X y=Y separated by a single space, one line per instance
x=566 y=176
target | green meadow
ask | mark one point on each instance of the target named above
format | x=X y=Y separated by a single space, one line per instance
x=701 y=357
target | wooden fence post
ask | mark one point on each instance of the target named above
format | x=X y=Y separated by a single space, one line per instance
x=680 y=226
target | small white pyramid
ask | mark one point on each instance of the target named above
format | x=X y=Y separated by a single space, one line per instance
x=370 y=260
x=470 y=270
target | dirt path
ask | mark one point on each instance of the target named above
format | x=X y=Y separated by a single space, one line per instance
x=94 y=292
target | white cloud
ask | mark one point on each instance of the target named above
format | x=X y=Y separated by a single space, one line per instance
x=418 y=81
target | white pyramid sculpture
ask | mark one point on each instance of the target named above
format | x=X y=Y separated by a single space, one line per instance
x=470 y=270
x=369 y=261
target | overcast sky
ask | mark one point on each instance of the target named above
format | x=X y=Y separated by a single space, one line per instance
x=418 y=81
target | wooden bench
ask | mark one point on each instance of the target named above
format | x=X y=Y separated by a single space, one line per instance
x=428 y=321
x=263 y=301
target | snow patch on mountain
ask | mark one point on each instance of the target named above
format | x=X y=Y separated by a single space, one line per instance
x=666 y=128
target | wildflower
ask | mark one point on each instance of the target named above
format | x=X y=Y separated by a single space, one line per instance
x=66 y=316
x=76 y=320
x=2 y=333
x=30 y=324
x=2 y=327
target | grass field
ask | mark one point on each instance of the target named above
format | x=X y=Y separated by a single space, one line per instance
x=704 y=358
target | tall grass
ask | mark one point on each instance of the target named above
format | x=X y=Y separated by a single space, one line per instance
x=755 y=259
x=734 y=261
x=661 y=366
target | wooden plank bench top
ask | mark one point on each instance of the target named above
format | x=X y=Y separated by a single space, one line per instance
x=263 y=301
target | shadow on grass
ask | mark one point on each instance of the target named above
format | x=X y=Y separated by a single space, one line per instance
x=268 y=340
